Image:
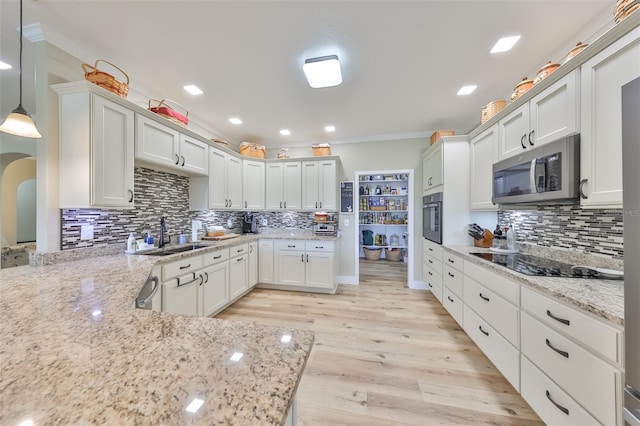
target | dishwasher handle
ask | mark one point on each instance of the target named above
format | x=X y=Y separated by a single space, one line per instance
x=142 y=302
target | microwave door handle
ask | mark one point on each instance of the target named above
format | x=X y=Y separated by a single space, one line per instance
x=532 y=176
x=431 y=205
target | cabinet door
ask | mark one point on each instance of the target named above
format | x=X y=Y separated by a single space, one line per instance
x=112 y=156
x=180 y=295
x=266 y=271
x=217 y=180
x=310 y=185
x=274 y=173
x=427 y=171
x=436 y=167
x=290 y=268
x=214 y=290
x=234 y=182
x=292 y=185
x=319 y=269
x=193 y=156
x=238 y=268
x=328 y=181
x=484 y=152
x=554 y=112
x=513 y=132
x=602 y=78
x=156 y=143
x=253 y=184
x=252 y=275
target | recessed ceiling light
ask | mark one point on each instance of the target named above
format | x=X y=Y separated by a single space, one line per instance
x=285 y=132
x=466 y=90
x=4 y=66
x=194 y=90
x=235 y=120
x=505 y=44
x=323 y=71
x=194 y=405
x=329 y=128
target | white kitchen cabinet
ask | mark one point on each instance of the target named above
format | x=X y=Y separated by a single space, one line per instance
x=253 y=183
x=432 y=171
x=284 y=185
x=319 y=266
x=238 y=271
x=602 y=78
x=96 y=150
x=180 y=294
x=548 y=116
x=224 y=182
x=319 y=185
x=213 y=293
x=290 y=269
x=304 y=264
x=162 y=145
x=254 y=264
x=484 y=153
x=432 y=267
x=266 y=258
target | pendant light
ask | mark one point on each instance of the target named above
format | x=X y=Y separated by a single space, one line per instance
x=19 y=122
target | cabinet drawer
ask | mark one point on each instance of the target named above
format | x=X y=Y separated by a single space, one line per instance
x=325 y=246
x=453 y=260
x=296 y=245
x=433 y=280
x=215 y=257
x=432 y=262
x=239 y=250
x=452 y=303
x=502 y=354
x=432 y=249
x=436 y=290
x=596 y=335
x=181 y=267
x=499 y=284
x=453 y=279
x=590 y=381
x=502 y=315
x=549 y=401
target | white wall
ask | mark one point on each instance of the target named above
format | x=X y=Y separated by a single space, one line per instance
x=16 y=173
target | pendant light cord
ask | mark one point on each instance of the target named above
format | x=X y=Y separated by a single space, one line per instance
x=20 y=102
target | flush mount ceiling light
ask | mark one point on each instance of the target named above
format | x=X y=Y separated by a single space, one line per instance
x=285 y=132
x=193 y=90
x=235 y=120
x=323 y=71
x=466 y=90
x=5 y=66
x=19 y=122
x=505 y=44
x=329 y=128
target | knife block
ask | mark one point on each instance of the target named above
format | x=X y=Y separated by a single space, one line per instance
x=484 y=242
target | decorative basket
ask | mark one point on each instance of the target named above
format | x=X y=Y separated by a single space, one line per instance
x=393 y=254
x=321 y=150
x=398 y=221
x=169 y=113
x=623 y=9
x=378 y=208
x=106 y=80
x=521 y=88
x=579 y=48
x=372 y=254
x=254 y=150
x=491 y=109
x=440 y=133
x=220 y=141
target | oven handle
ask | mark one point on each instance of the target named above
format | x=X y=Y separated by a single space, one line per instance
x=426 y=206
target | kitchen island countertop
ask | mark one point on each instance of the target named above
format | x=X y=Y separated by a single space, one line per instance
x=73 y=349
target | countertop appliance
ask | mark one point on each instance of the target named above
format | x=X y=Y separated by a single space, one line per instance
x=631 y=210
x=539 y=266
x=249 y=223
x=325 y=228
x=549 y=173
x=432 y=217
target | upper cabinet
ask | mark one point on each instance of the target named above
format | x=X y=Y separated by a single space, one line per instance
x=432 y=167
x=484 y=152
x=253 y=185
x=601 y=131
x=548 y=116
x=162 y=145
x=96 y=150
x=319 y=185
x=222 y=189
x=284 y=185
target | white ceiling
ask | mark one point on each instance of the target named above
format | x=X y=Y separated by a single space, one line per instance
x=402 y=61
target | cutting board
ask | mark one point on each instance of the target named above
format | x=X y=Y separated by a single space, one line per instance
x=220 y=237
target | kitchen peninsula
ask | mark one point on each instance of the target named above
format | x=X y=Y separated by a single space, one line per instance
x=75 y=350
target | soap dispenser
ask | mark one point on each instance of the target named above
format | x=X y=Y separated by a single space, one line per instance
x=131 y=244
x=511 y=239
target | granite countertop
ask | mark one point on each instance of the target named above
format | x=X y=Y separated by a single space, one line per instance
x=603 y=298
x=73 y=349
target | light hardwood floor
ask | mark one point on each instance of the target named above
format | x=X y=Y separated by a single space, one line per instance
x=386 y=355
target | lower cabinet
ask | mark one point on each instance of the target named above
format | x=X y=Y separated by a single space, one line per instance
x=432 y=267
x=180 y=294
x=266 y=268
x=238 y=271
x=253 y=267
x=214 y=291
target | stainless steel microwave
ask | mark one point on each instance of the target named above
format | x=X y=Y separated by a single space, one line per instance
x=547 y=174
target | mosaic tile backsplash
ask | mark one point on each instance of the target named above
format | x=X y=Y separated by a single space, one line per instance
x=160 y=194
x=570 y=227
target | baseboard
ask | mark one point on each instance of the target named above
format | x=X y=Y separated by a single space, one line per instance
x=347 y=279
x=418 y=285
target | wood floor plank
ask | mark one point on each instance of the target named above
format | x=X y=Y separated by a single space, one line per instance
x=385 y=354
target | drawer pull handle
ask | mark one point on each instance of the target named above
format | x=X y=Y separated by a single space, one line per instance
x=451 y=261
x=558 y=406
x=319 y=247
x=185 y=267
x=429 y=272
x=430 y=285
x=240 y=259
x=486 y=333
x=430 y=261
x=450 y=299
x=451 y=275
x=562 y=320
x=486 y=299
x=291 y=246
x=430 y=249
x=563 y=353
x=217 y=257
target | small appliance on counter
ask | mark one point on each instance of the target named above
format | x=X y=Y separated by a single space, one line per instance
x=249 y=223
x=325 y=224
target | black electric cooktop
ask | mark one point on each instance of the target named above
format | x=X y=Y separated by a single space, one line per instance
x=534 y=265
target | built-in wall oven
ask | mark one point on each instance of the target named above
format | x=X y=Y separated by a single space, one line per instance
x=432 y=217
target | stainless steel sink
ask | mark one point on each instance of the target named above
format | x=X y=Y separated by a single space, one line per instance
x=176 y=250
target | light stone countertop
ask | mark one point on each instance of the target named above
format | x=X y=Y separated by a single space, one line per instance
x=602 y=298
x=73 y=349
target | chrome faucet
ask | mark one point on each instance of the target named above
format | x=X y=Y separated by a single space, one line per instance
x=163 y=229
